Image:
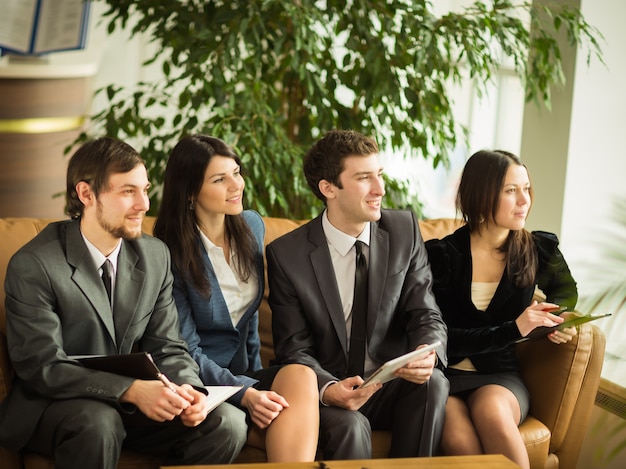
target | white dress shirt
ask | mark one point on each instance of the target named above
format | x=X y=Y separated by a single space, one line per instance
x=99 y=258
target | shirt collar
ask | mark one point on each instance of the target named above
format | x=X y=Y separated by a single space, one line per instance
x=341 y=241
x=206 y=242
x=99 y=258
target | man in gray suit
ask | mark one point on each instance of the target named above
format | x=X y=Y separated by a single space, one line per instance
x=312 y=277
x=57 y=306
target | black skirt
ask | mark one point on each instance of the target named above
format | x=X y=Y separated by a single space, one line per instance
x=462 y=383
x=265 y=376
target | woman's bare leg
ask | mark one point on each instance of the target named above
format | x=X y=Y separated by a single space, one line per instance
x=459 y=436
x=293 y=435
x=496 y=415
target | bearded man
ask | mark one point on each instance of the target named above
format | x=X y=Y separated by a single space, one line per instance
x=95 y=285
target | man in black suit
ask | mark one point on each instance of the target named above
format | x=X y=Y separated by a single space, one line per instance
x=57 y=305
x=311 y=274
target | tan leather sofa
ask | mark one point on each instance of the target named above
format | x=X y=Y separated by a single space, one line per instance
x=562 y=379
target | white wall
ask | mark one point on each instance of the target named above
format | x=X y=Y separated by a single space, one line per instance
x=595 y=177
x=596 y=171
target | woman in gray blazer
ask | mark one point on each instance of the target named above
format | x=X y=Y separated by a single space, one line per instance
x=217 y=253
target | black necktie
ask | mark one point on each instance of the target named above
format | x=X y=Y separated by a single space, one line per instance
x=106 y=277
x=356 y=357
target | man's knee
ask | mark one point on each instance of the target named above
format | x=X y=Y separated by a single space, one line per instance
x=96 y=421
x=217 y=440
x=345 y=434
x=227 y=423
x=79 y=430
x=438 y=387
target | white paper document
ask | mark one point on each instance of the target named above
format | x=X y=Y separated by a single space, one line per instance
x=219 y=394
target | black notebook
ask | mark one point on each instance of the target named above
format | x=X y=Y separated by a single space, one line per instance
x=540 y=332
x=141 y=366
x=134 y=365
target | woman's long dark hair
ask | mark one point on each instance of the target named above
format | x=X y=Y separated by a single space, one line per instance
x=478 y=199
x=176 y=223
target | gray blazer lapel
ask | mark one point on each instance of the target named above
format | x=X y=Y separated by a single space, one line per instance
x=86 y=277
x=129 y=282
x=377 y=273
x=325 y=277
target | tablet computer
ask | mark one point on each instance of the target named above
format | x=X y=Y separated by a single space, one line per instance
x=386 y=371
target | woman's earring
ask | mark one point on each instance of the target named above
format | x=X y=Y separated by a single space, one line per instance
x=481 y=219
x=192 y=205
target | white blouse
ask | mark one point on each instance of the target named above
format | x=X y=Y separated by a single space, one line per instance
x=238 y=294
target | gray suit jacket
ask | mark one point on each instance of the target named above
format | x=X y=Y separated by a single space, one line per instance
x=307 y=317
x=56 y=306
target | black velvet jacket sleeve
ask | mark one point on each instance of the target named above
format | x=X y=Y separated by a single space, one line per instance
x=553 y=276
x=487 y=337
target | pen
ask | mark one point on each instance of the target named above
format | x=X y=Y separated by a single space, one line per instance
x=167 y=382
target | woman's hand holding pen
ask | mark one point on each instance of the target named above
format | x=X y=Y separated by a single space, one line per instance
x=537 y=315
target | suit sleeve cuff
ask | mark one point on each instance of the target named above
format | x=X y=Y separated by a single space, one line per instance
x=323 y=390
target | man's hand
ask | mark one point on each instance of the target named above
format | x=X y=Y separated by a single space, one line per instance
x=418 y=371
x=263 y=406
x=345 y=394
x=195 y=413
x=156 y=401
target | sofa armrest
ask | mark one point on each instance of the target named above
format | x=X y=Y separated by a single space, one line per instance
x=563 y=381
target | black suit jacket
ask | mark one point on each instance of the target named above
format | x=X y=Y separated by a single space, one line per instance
x=56 y=306
x=307 y=317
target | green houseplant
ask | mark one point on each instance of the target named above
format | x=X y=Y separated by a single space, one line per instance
x=270 y=76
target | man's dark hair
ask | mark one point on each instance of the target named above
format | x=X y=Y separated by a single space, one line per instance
x=325 y=159
x=94 y=162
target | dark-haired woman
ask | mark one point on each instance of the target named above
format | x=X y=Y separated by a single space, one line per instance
x=217 y=254
x=485 y=278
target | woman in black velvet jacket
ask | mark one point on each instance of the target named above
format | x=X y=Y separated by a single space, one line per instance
x=485 y=275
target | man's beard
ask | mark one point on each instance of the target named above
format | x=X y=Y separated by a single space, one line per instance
x=119 y=231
